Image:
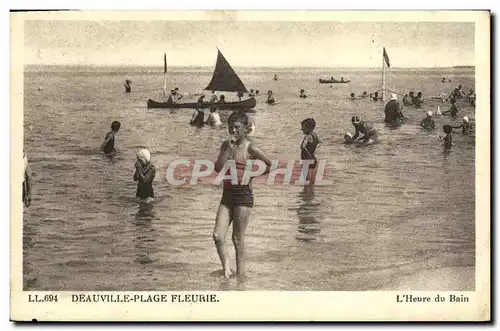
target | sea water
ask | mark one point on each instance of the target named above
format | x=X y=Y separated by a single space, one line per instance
x=394 y=209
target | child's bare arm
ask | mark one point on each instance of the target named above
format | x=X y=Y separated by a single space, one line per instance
x=138 y=170
x=225 y=149
x=309 y=139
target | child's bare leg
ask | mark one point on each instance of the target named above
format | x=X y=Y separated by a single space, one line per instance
x=311 y=175
x=240 y=222
x=222 y=222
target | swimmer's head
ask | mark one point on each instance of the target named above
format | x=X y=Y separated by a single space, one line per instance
x=355 y=120
x=308 y=125
x=465 y=119
x=115 y=126
x=352 y=95
x=240 y=125
x=143 y=156
x=447 y=128
x=348 y=137
x=430 y=113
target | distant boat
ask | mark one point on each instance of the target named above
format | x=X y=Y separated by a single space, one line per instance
x=224 y=79
x=244 y=104
x=333 y=81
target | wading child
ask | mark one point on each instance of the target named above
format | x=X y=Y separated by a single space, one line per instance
x=447 y=139
x=144 y=176
x=108 y=146
x=366 y=129
x=428 y=123
x=453 y=109
x=308 y=147
x=237 y=199
x=213 y=118
x=27 y=182
x=465 y=126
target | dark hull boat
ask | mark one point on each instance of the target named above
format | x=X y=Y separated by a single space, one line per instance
x=334 y=81
x=244 y=104
x=224 y=79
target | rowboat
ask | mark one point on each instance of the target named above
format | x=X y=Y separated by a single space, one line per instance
x=224 y=79
x=333 y=81
x=244 y=104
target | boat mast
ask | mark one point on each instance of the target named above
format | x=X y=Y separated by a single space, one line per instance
x=383 y=77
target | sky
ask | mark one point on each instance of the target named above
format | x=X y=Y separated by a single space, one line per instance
x=249 y=43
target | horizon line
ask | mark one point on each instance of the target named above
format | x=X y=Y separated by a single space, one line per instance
x=238 y=66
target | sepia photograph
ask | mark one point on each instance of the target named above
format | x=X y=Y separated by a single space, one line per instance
x=211 y=152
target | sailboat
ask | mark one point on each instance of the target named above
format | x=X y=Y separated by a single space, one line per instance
x=224 y=79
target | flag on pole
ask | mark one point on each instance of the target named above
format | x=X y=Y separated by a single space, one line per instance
x=386 y=58
x=164 y=63
x=164 y=74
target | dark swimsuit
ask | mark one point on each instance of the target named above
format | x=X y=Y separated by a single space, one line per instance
x=427 y=123
x=25 y=191
x=466 y=128
x=453 y=111
x=110 y=145
x=198 y=120
x=236 y=195
x=447 y=141
x=311 y=147
x=145 y=189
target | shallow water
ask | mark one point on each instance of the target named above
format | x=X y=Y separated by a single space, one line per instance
x=395 y=208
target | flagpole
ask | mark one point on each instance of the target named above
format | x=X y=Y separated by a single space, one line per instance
x=164 y=74
x=383 y=77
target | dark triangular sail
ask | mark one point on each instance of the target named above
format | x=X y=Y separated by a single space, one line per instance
x=224 y=78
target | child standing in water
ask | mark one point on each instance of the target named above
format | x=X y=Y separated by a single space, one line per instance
x=453 y=109
x=27 y=182
x=237 y=200
x=465 y=126
x=308 y=146
x=144 y=176
x=108 y=146
x=428 y=123
x=447 y=139
x=213 y=118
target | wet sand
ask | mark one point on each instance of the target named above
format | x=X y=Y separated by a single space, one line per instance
x=453 y=279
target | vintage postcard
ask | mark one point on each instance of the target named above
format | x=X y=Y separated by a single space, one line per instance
x=250 y=166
